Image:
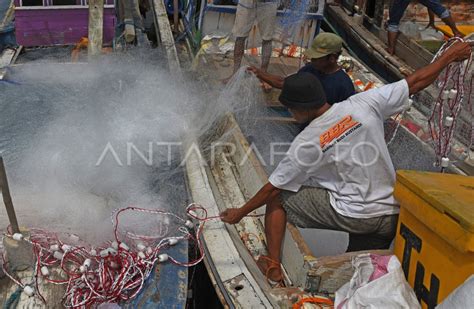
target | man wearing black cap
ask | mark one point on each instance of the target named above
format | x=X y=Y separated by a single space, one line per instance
x=338 y=173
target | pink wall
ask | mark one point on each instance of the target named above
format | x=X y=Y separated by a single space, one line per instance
x=46 y=27
x=78 y=2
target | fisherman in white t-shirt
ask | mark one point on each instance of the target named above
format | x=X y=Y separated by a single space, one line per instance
x=337 y=173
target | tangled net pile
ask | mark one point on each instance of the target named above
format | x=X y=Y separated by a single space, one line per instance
x=113 y=272
x=452 y=85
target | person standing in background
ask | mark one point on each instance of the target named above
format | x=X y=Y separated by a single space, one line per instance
x=398 y=9
x=249 y=12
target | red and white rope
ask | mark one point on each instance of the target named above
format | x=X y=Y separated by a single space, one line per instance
x=114 y=272
x=452 y=84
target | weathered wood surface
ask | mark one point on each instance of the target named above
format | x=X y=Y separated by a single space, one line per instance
x=96 y=28
x=372 y=44
x=7 y=199
x=279 y=119
x=52 y=293
x=7 y=14
x=251 y=177
x=166 y=39
x=226 y=259
x=7 y=58
x=407 y=50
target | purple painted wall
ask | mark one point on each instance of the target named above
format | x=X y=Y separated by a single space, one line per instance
x=50 y=2
x=58 y=26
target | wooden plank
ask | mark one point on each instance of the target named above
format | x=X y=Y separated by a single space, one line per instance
x=242 y=290
x=7 y=14
x=412 y=44
x=371 y=43
x=223 y=253
x=408 y=50
x=7 y=199
x=175 y=15
x=18 y=51
x=279 y=119
x=163 y=29
x=225 y=258
x=232 y=198
x=251 y=177
x=96 y=28
x=129 y=28
x=7 y=57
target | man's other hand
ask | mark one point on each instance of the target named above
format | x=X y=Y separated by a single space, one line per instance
x=232 y=215
x=254 y=70
x=460 y=51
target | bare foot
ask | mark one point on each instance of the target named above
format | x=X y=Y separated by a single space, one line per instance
x=391 y=51
x=270 y=268
x=459 y=34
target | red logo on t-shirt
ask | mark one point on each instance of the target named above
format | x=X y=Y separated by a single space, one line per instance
x=337 y=130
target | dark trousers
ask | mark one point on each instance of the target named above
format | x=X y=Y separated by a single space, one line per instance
x=360 y=242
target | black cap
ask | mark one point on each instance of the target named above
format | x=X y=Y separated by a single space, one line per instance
x=302 y=91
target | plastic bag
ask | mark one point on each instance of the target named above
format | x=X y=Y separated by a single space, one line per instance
x=462 y=297
x=411 y=29
x=378 y=282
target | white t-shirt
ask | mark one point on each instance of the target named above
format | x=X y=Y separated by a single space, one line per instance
x=344 y=152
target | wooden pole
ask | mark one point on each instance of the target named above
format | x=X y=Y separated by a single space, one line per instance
x=128 y=20
x=7 y=199
x=165 y=36
x=175 y=15
x=96 y=28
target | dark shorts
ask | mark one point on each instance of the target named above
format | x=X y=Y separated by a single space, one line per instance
x=310 y=208
x=399 y=6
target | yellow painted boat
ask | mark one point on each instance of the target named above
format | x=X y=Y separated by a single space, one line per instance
x=465 y=29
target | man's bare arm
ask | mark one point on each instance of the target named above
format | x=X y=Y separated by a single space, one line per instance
x=263 y=196
x=425 y=76
x=273 y=80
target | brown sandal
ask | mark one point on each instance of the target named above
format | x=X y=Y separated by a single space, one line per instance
x=271 y=265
